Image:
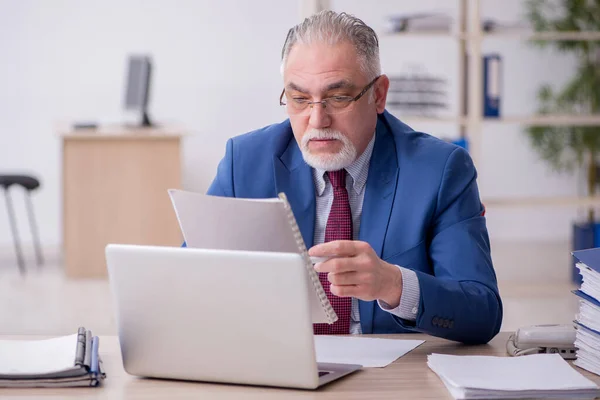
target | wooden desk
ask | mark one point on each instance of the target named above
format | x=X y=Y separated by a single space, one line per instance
x=406 y=378
x=115 y=183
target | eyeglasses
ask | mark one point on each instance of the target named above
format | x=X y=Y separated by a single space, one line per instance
x=331 y=105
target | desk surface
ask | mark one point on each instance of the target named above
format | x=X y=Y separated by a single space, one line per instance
x=407 y=378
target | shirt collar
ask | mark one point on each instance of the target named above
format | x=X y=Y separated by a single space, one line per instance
x=358 y=170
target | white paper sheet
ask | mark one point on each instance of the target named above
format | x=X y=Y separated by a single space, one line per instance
x=212 y=222
x=368 y=352
x=591 y=281
x=589 y=315
x=24 y=357
x=536 y=375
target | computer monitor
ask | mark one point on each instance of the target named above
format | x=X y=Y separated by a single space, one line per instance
x=139 y=71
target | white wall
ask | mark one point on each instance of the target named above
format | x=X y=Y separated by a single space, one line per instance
x=217 y=73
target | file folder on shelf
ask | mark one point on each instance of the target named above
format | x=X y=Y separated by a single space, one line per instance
x=492 y=82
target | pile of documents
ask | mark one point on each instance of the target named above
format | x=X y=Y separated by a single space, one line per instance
x=587 y=339
x=58 y=362
x=531 y=376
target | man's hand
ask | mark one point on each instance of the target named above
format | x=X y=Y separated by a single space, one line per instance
x=355 y=270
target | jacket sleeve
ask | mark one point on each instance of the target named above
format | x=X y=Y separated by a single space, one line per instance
x=222 y=184
x=460 y=301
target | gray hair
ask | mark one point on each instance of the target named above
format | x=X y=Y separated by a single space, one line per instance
x=332 y=28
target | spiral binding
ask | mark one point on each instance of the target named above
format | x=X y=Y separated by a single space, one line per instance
x=314 y=276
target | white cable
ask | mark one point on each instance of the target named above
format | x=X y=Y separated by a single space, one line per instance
x=512 y=350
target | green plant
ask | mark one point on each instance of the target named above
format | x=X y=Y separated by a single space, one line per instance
x=568 y=147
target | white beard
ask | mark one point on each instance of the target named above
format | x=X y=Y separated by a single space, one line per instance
x=328 y=162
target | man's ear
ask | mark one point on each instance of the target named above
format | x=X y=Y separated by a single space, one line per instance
x=381 y=90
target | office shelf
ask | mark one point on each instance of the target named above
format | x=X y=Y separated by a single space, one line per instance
x=409 y=119
x=532 y=120
x=470 y=36
x=424 y=34
x=547 y=120
x=554 y=36
x=519 y=34
x=559 y=201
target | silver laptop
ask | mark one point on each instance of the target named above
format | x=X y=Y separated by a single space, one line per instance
x=216 y=316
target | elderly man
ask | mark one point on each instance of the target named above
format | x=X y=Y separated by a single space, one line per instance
x=396 y=212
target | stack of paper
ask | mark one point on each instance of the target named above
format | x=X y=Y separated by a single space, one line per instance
x=587 y=339
x=59 y=362
x=532 y=376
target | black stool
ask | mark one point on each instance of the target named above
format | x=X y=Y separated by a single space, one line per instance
x=29 y=183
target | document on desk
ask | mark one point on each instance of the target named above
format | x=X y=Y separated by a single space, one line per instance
x=64 y=361
x=24 y=357
x=530 y=376
x=368 y=352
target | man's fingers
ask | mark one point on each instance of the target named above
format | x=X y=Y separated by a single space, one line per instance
x=336 y=265
x=344 y=291
x=339 y=248
x=361 y=292
x=344 y=278
x=349 y=278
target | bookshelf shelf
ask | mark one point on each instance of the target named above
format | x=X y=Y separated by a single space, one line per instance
x=470 y=37
x=547 y=120
x=531 y=120
x=424 y=34
x=409 y=119
x=522 y=34
x=560 y=201
x=519 y=34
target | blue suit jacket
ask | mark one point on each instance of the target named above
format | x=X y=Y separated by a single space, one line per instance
x=421 y=211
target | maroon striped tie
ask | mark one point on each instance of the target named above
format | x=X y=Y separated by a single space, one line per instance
x=339 y=227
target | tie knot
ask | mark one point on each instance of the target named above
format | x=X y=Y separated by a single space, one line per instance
x=337 y=178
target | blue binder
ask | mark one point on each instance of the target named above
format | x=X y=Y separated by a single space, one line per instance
x=590 y=257
x=492 y=73
x=585 y=236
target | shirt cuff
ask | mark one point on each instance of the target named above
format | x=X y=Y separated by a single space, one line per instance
x=409 y=299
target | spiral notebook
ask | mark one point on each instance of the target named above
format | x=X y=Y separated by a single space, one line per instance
x=226 y=223
x=62 y=361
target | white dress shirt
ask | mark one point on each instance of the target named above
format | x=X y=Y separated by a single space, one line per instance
x=356 y=180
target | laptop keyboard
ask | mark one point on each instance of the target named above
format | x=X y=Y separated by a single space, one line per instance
x=323 y=373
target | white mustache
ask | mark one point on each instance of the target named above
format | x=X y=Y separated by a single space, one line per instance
x=321 y=134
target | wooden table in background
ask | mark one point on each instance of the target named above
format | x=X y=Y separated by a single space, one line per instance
x=406 y=378
x=115 y=183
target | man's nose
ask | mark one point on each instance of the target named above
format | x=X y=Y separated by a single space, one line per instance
x=318 y=117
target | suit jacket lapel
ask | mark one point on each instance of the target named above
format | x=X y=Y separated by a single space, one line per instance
x=294 y=178
x=377 y=204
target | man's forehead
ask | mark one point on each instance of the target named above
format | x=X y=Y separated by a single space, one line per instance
x=321 y=67
x=320 y=57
